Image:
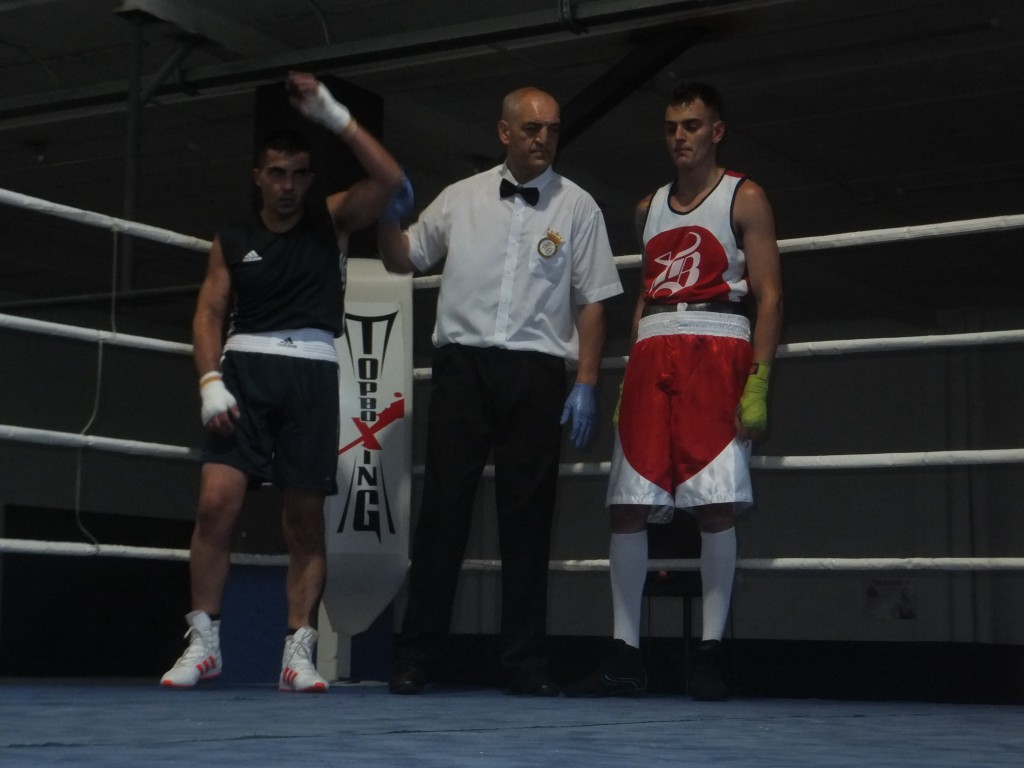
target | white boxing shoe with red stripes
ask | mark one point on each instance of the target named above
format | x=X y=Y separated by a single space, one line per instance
x=201 y=659
x=298 y=673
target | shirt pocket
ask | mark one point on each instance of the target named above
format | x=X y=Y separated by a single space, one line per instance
x=548 y=260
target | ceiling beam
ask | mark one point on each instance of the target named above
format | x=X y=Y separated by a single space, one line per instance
x=650 y=54
x=17 y=5
x=385 y=52
x=192 y=18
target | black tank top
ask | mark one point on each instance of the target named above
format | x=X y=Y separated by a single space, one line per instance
x=285 y=280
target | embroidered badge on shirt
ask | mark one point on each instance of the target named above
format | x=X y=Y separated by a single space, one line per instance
x=549 y=245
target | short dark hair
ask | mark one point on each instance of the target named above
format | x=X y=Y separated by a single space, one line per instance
x=687 y=93
x=285 y=140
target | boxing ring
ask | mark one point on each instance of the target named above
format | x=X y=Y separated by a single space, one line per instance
x=99 y=723
x=938 y=458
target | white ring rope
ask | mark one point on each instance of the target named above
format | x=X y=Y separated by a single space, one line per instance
x=928 y=458
x=903 y=234
x=798 y=349
x=74 y=548
x=71 y=548
x=103 y=221
x=793 y=564
x=837 y=461
x=16 y=323
x=889 y=460
x=899 y=343
x=579 y=469
x=109 y=444
x=852 y=346
x=880 y=236
x=845 y=239
x=820 y=242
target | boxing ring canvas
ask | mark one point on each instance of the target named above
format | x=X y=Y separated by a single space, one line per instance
x=134 y=724
x=957 y=570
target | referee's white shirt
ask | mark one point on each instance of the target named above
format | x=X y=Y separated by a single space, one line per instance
x=514 y=274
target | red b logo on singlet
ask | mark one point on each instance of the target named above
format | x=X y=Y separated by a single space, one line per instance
x=688 y=259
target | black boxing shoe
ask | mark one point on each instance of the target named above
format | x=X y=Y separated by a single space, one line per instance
x=621 y=674
x=708 y=682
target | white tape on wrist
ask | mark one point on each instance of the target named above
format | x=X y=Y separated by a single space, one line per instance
x=215 y=396
x=323 y=108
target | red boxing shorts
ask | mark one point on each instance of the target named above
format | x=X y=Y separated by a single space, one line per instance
x=676 y=445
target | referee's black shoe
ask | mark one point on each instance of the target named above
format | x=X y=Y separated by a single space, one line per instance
x=409 y=680
x=621 y=674
x=533 y=682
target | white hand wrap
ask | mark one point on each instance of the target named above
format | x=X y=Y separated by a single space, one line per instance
x=321 y=107
x=215 y=396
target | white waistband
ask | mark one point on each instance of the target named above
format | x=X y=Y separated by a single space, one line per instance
x=695 y=323
x=309 y=343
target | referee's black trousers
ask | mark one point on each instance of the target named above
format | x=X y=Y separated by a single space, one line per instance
x=486 y=400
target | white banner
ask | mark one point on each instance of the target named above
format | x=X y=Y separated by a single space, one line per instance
x=368 y=521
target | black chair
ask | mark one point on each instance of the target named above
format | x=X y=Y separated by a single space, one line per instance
x=676 y=540
x=680 y=540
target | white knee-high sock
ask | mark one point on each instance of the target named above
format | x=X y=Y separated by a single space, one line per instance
x=627 y=566
x=717 y=567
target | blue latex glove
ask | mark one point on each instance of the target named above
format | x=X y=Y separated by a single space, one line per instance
x=400 y=206
x=582 y=407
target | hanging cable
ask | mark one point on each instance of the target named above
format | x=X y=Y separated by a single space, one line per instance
x=323 y=22
x=98 y=389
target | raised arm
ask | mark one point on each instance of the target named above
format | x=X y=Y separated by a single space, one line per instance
x=364 y=202
x=393 y=244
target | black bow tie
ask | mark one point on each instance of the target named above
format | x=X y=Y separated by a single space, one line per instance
x=530 y=194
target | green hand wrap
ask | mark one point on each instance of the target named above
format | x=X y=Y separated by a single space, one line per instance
x=754 y=400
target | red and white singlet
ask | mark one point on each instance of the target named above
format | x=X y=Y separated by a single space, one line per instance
x=694 y=256
x=676 y=445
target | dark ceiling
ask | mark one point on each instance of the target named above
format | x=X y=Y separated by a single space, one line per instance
x=852 y=115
